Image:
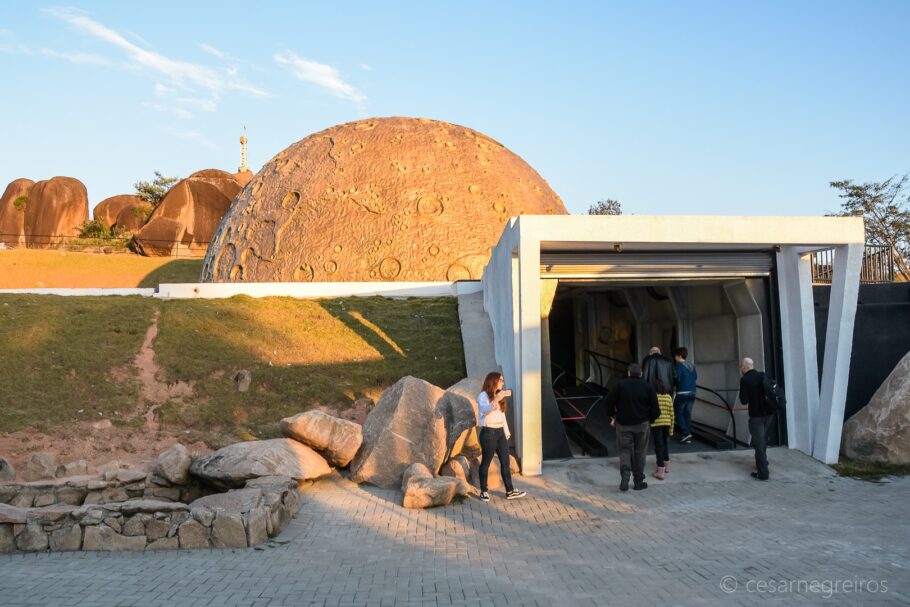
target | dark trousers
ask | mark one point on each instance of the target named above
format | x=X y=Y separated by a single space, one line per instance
x=758 y=428
x=683 y=407
x=493 y=442
x=661 y=437
x=633 y=441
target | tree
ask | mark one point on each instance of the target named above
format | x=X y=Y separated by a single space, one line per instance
x=884 y=207
x=606 y=207
x=154 y=192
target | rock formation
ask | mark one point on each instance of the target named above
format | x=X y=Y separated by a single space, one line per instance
x=124 y=212
x=56 y=207
x=461 y=415
x=880 y=431
x=384 y=199
x=173 y=465
x=41 y=466
x=422 y=490
x=188 y=215
x=233 y=465
x=41 y=214
x=402 y=429
x=334 y=438
x=12 y=212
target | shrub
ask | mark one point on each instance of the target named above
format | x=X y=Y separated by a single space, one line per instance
x=94 y=229
x=20 y=203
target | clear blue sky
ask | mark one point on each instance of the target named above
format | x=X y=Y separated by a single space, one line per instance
x=670 y=107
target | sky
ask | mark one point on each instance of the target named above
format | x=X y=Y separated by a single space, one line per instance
x=715 y=108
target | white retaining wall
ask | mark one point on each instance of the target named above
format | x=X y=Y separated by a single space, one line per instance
x=303 y=290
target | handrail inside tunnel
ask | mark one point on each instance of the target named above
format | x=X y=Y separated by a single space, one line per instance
x=602 y=361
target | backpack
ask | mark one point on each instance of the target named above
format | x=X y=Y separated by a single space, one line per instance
x=775 y=401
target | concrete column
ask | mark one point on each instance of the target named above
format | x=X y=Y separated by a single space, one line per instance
x=848 y=261
x=547 y=293
x=797 y=318
x=529 y=439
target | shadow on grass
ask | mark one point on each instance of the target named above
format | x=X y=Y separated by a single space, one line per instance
x=176 y=271
x=301 y=354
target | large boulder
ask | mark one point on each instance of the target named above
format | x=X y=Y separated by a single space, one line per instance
x=403 y=199
x=403 y=428
x=880 y=431
x=12 y=212
x=231 y=466
x=56 y=208
x=125 y=212
x=423 y=490
x=40 y=467
x=459 y=410
x=174 y=464
x=186 y=218
x=336 y=439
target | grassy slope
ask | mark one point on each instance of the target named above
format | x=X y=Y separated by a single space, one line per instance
x=59 y=354
x=29 y=268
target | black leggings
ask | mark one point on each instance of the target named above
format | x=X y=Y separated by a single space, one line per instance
x=493 y=442
x=661 y=436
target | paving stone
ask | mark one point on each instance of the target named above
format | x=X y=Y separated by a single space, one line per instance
x=575 y=540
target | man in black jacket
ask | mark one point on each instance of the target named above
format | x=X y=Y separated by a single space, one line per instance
x=632 y=406
x=657 y=368
x=752 y=393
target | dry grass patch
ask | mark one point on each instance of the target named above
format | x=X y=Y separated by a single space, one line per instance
x=47 y=268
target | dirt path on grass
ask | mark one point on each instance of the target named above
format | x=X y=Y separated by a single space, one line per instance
x=100 y=442
x=154 y=391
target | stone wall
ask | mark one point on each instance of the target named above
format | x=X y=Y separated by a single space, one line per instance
x=133 y=513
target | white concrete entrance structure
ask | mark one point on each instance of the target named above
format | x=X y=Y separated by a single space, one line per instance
x=512 y=298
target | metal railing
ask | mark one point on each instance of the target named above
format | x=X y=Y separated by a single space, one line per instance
x=880 y=264
x=578 y=407
x=602 y=361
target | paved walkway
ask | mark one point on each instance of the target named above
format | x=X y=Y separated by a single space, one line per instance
x=574 y=541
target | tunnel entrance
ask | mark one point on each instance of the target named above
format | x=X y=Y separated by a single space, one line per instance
x=597 y=326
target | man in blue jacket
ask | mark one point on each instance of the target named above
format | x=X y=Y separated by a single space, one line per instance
x=686 y=377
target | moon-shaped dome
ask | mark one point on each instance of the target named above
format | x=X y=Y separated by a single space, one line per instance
x=383 y=199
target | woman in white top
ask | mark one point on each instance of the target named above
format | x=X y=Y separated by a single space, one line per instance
x=494 y=434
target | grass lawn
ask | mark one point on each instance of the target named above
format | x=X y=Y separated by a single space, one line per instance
x=69 y=359
x=47 y=268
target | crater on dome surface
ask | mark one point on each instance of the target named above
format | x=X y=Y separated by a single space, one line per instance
x=382 y=199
